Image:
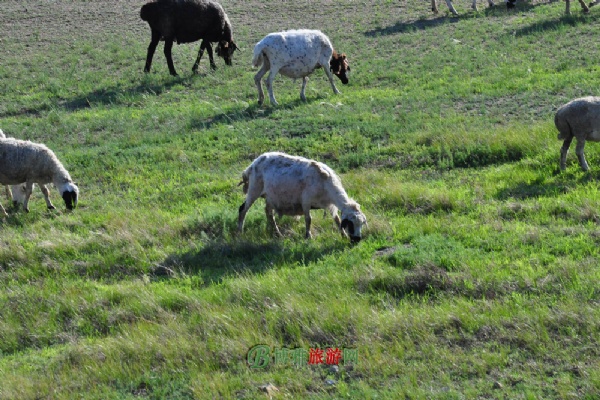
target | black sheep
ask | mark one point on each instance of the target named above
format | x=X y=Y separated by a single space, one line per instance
x=186 y=21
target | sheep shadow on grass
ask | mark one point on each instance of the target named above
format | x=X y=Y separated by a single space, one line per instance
x=251 y=112
x=412 y=26
x=576 y=18
x=119 y=95
x=218 y=260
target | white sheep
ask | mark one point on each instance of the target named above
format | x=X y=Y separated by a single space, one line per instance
x=28 y=162
x=16 y=193
x=296 y=54
x=294 y=185
x=579 y=118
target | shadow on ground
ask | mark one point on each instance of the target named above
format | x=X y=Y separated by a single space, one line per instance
x=217 y=260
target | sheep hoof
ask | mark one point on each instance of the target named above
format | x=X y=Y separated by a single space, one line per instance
x=51 y=208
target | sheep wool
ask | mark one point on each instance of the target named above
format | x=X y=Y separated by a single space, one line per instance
x=28 y=162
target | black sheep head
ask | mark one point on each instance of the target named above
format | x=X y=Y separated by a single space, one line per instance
x=69 y=193
x=353 y=221
x=339 y=66
x=225 y=49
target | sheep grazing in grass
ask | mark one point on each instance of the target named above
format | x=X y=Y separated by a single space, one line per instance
x=435 y=10
x=579 y=119
x=294 y=185
x=13 y=192
x=296 y=54
x=187 y=21
x=27 y=162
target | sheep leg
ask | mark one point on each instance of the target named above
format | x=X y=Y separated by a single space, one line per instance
x=307 y=221
x=257 y=80
x=568 y=7
x=28 y=190
x=205 y=45
x=151 y=48
x=253 y=194
x=434 y=7
x=474 y=5
x=330 y=76
x=451 y=7
x=8 y=192
x=563 y=153
x=46 y=193
x=168 y=47
x=584 y=6
x=304 y=81
x=3 y=211
x=269 y=82
x=338 y=222
x=580 y=156
x=271 y=219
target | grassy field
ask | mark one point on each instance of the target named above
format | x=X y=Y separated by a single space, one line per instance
x=477 y=276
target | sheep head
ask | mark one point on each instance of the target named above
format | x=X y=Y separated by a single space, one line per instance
x=225 y=50
x=340 y=67
x=69 y=192
x=352 y=222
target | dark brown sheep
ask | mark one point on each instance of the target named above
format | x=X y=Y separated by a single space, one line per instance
x=186 y=21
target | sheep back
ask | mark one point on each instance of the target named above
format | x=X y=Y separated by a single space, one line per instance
x=25 y=161
x=187 y=21
x=580 y=118
x=288 y=181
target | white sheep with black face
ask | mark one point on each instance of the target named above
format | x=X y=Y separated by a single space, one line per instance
x=294 y=185
x=16 y=193
x=579 y=119
x=25 y=162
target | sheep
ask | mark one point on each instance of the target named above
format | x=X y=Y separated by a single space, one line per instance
x=16 y=193
x=435 y=10
x=296 y=54
x=579 y=118
x=186 y=21
x=28 y=162
x=294 y=185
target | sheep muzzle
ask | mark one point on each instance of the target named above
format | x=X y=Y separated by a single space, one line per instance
x=70 y=199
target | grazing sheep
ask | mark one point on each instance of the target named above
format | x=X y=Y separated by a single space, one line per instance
x=294 y=185
x=187 y=21
x=296 y=54
x=16 y=193
x=27 y=162
x=435 y=10
x=579 y=118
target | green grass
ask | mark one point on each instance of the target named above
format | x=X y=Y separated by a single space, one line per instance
x=477 y=275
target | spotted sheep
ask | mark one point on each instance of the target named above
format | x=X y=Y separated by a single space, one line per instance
x=186 y=21
x=294 y=185
x=296 y=54
x=579 y=119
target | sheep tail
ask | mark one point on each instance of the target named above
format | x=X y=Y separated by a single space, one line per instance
x=245 y=180
x=563 y=126
x=257 y=59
